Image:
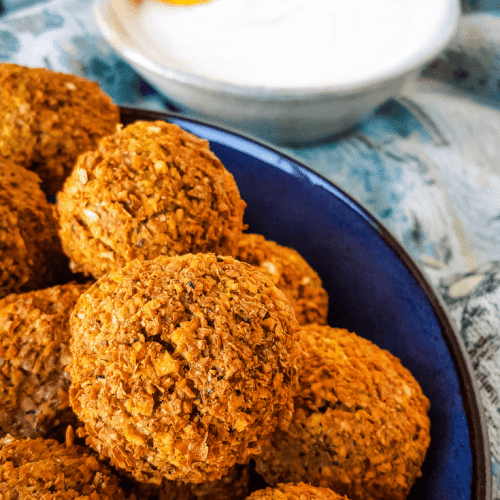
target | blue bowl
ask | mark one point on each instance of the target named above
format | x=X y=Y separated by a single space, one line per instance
x=375 y=289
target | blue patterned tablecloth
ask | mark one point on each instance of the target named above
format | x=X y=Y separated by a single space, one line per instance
x=427 y=163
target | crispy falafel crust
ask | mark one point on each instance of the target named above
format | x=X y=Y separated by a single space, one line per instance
x=299 y=491
x=29 y=244
x=34 y=349
x=48 y=119
x=232 y=486
x=44 y=469
x=360 y=424
x=182 y=365
x=150 y=189
x=291 y=273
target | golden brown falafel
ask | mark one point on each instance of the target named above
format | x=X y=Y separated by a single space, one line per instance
x=30 y=250
x=232 y=486
x=48 y=119
x=150 y=189
x=34 y=349
x=360 y=424
x=299 y=491
x=182 y=365
x=290 y=272
x=46 y=470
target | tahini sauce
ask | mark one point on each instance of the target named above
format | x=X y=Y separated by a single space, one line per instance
x=285 y=43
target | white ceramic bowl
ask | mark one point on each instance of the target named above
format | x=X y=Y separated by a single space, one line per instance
x=281 y=114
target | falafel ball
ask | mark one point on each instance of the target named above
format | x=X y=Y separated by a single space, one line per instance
x=232 y=486
x=34 y=348
x=150 y=189
x=301 y=491
x=360 y=425
x=290 y=272
x=182 y=365
x=30 y=250
x=48 y=119
x=44 y=469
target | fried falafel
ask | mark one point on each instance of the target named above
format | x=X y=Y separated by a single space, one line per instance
x=34 y=349
x=182 y=365
x=291 y=273
x=48 y=119
x=46 y=470
x=150 y=189
x=292 y=491
x=30 y=250
x=360 y=425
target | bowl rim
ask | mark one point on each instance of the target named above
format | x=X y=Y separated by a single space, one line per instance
x=476 y=419
x=417 y=60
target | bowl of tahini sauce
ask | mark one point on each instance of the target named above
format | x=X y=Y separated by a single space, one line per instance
x=289 y=71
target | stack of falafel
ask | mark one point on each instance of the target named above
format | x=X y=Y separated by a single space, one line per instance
x=186 y=359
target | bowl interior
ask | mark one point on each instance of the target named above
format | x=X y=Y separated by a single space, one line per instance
x=414 y=33
x=375 y=290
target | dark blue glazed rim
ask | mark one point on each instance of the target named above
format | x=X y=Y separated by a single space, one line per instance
x=375 y=288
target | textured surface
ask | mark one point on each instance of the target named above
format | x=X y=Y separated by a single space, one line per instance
x=299 y=491
x=30 y=250
x=34 y=349
x=150 y=189
x=290 y=273
x=46 y=470
x=182 y=365
x=360 y=425
x=47 y=119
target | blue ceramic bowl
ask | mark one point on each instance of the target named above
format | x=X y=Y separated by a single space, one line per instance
x=375 y=290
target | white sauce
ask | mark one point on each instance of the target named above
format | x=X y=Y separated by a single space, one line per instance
x=284 y=43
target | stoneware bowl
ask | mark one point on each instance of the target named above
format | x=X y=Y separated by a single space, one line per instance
x=283 y=115
x=375 y=289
